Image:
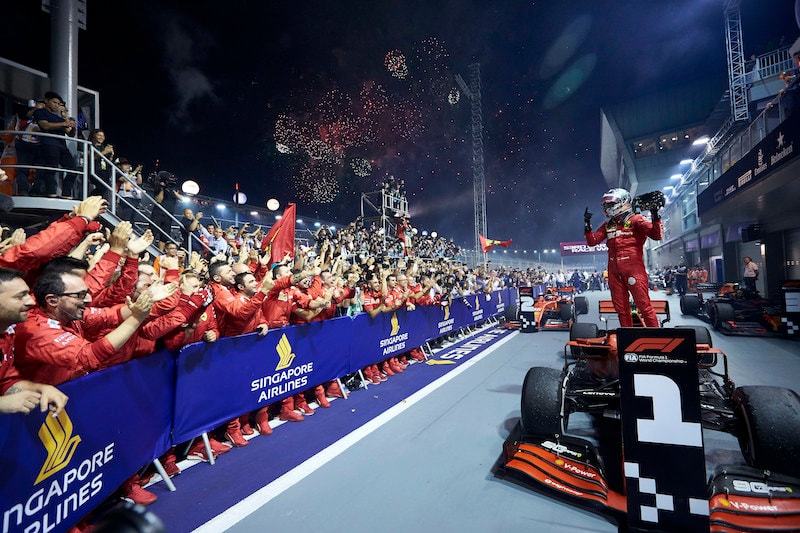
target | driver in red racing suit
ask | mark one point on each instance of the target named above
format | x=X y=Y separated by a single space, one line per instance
x=626 y=233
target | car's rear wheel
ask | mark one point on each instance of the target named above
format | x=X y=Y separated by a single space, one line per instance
x=541 y=401
x=701 y=334
x=582 y=330
x=581 y=305
x=690 y=304
x=565 y=311
x=719 y=313
x=767 y=429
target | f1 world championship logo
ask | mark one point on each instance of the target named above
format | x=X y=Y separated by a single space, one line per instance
x=57 y=438
x=285 y=353
x=663 y=345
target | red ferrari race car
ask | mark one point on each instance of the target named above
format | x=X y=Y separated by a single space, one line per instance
x=734 y=310
x=632 y=384
x=556 y=309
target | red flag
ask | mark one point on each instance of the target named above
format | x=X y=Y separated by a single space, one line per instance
x=488 y=244
x=280 y=239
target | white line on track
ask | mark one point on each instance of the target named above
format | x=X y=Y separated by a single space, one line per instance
x=236 y=513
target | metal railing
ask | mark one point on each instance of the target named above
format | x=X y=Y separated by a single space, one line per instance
x=86 y=158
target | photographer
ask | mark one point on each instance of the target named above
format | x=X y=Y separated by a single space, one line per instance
x=165 y=194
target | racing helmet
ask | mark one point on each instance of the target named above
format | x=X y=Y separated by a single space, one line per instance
x=616 y=202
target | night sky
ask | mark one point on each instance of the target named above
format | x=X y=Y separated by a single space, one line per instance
x=318 y=101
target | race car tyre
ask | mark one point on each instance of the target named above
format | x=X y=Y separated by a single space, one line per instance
x=701 y=334
x=511 y=313
x=767 y=429
x=581 y=305
x=541 y=401
x=719 y=313
x=565 y=311
x=582 y=330
x=690 y=304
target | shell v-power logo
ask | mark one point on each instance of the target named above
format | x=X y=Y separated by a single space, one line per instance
x=285 y=353
x=56 y=436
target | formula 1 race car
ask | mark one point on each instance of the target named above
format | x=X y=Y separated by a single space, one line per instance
x=556 y=309
x=763 y=495
x=735 y=310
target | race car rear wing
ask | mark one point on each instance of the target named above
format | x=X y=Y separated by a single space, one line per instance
x=661 y=307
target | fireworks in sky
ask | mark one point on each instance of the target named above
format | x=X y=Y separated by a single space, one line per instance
x=395 y=63
x=328 y=132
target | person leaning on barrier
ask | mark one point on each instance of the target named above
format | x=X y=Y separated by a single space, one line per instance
x=52 y=346
x=18 y=395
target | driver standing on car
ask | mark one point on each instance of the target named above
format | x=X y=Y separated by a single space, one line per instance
x=626 y=233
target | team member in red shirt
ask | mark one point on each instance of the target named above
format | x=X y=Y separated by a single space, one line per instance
x=19 y=395
x=374 y=304
x=232 y=315
x=279 y=304
x=51 y=346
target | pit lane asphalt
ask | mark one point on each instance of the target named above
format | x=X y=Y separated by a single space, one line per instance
x=429 y=468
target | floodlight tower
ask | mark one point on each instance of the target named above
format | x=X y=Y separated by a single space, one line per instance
x=473 y=92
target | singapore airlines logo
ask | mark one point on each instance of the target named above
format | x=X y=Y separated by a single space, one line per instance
x=56 y=436
x=499 y=297
x=395 y=325
x=446 y=309
x=284 y=350
x=477 y=302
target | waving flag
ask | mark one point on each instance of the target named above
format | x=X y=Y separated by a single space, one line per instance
x=280 y=239
x=488 y=244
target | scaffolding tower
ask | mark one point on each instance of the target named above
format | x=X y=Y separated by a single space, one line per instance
x=473 y=92
x=737 y=80
x=383 y=208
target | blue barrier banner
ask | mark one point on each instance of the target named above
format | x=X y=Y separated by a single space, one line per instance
x=56 y=470
x=390 y=334
x=218 y=381
x=443 y=319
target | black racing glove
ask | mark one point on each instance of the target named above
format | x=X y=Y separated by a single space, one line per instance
x=587 y=221
x=654 y=215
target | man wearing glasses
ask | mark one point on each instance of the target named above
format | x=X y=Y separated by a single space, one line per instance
x=53 y=151
x=53 y=345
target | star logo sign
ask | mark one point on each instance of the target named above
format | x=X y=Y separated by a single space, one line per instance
x=780 y=141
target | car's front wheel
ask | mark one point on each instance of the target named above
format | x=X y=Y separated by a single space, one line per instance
x=541 y=401
x=690 y=304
